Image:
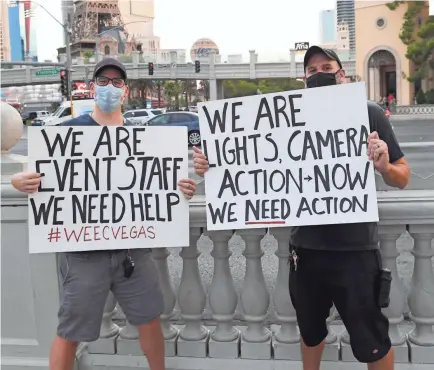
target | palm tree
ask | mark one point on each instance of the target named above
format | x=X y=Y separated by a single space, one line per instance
x=87 y=55
x=189 y=88
x=172 y=89
x=204 y=89
x=145 y=88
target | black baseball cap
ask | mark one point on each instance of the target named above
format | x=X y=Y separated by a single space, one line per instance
x=318 y=49
x=109 y=63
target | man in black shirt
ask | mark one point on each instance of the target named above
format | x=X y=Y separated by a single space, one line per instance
x=340 y=264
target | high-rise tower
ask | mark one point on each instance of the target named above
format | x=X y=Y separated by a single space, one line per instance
x=93 y=17
x=327 y=26
x=345 y=15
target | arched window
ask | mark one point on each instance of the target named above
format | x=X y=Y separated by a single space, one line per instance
x=107 y=50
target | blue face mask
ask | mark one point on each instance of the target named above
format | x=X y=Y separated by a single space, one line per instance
x=108 y=98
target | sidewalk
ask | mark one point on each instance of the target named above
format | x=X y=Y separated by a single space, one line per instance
x=411 y=117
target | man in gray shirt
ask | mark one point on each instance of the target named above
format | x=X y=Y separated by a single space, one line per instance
x=88 y=277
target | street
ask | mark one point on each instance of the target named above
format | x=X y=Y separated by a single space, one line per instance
x=414 y=131
x=421 y=159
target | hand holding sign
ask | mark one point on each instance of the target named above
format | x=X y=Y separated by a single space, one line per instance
x=378 y=152
x=26 y=182
x=201 y=164
x=188 y=187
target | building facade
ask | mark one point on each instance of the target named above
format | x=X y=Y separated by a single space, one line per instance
x=381 y=55
x=345 y=15
x=327 y=26
x=16 y=42
x=5 y=49
x=341 y=45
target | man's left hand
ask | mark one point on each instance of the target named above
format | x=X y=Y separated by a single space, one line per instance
x=188 y=187
x=378 y=152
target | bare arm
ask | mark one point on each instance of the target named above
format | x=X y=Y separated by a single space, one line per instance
x=397 y=174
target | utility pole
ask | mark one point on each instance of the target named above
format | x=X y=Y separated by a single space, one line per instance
x=67 y=31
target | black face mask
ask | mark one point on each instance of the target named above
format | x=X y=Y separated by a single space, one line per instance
x=321 y=79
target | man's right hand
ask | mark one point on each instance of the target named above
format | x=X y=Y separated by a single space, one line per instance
x=201 y=164
x=26 y=182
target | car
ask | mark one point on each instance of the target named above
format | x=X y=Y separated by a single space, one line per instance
x=32 y=117
x=188 y=119
x=140 y=116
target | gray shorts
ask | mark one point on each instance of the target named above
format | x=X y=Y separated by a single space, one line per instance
x=87 y=279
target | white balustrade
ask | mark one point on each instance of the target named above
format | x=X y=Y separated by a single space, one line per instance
x=287 y=339
x=389 y=234
x=421 y=298
x=193 y=337
x=109 y=330
x=170 y=333
x=223 y=300
x=255 y=299
x=415 y=109
x=263 y=336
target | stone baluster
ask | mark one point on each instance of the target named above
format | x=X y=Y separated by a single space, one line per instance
x=421 y=297
x=128 y=343
x=109 y=330
x=286 y=342
x=223 y=299
x=389 y=234
x=255 y=299
x=170 y=333
x=193 y=338
x=331 y=350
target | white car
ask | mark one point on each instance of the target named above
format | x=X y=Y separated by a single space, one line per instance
x=141 y=116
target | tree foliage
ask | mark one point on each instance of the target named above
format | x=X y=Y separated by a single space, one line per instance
x=238 y=88
x=420 y=44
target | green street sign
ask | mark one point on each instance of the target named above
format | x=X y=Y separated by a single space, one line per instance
x=47 y=72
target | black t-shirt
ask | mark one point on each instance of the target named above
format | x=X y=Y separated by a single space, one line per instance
x=357 y=236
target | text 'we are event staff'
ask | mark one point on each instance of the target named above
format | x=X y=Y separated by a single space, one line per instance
x=116 y=187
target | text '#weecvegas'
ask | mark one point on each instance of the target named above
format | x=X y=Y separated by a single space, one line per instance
x=294 y=158
x=108 y=188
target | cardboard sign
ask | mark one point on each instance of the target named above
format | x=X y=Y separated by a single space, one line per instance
x=288 y=159
x=108 y=188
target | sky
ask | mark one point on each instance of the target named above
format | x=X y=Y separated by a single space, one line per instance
x=271 y=27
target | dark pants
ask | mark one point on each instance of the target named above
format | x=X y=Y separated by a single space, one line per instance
x=349 y=280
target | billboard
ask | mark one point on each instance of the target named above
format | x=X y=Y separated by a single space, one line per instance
x=301 y=47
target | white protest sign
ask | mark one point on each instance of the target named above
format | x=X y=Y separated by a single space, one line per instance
x=108 y=188
x=294 y=158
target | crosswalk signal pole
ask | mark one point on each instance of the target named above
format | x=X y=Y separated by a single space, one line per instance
x=64 y=83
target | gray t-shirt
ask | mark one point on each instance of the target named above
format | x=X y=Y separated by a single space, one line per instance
x=350 y=237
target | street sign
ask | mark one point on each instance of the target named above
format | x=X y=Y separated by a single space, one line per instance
x=47 y=72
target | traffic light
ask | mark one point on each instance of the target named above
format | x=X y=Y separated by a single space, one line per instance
x=151 y=69
x=197 y=66
x=64 y=83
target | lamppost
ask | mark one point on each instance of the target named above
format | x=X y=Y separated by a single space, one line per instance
x=66 y=29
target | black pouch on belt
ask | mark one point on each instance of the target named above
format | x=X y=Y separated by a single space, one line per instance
x=384 y=282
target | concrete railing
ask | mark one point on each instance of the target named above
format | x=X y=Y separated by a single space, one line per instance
x=415 y=109
x=221 y=312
